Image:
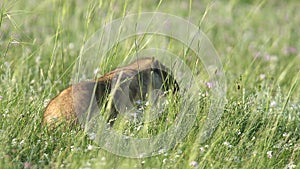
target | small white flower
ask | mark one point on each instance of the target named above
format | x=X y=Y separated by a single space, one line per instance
x=1 y=97
x=273 y=103
x=92 y=136
x=161 y=151
x=90 y=147
x=226 y=143
x=96 y=71
x=201 y=149
x=45 y=155
x=14 y=141
x=254 y=153
x=262 y=76
x=22 y=142
x=270 y=154
x=72 y=148
x=194 y=164
x=71 y=45
x=164 y=161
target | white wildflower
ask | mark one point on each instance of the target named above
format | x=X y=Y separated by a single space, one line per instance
x=90 y=147
x=226 y=143
x=92 y=136
x=270 y=154
x=164 y=161
x=194 y=164
x=273 y=103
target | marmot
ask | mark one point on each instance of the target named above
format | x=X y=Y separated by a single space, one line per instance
x=134 y=80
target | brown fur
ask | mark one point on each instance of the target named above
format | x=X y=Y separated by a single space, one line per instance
x=144 y=74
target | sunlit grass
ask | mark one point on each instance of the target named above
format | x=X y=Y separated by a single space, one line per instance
x=258 y=43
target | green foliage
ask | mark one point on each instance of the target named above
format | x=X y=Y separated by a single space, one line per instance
x=258 y=43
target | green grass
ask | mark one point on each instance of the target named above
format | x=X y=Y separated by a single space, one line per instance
x=258 y=43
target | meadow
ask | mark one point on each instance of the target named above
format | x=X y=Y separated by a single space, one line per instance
x=258 y=43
